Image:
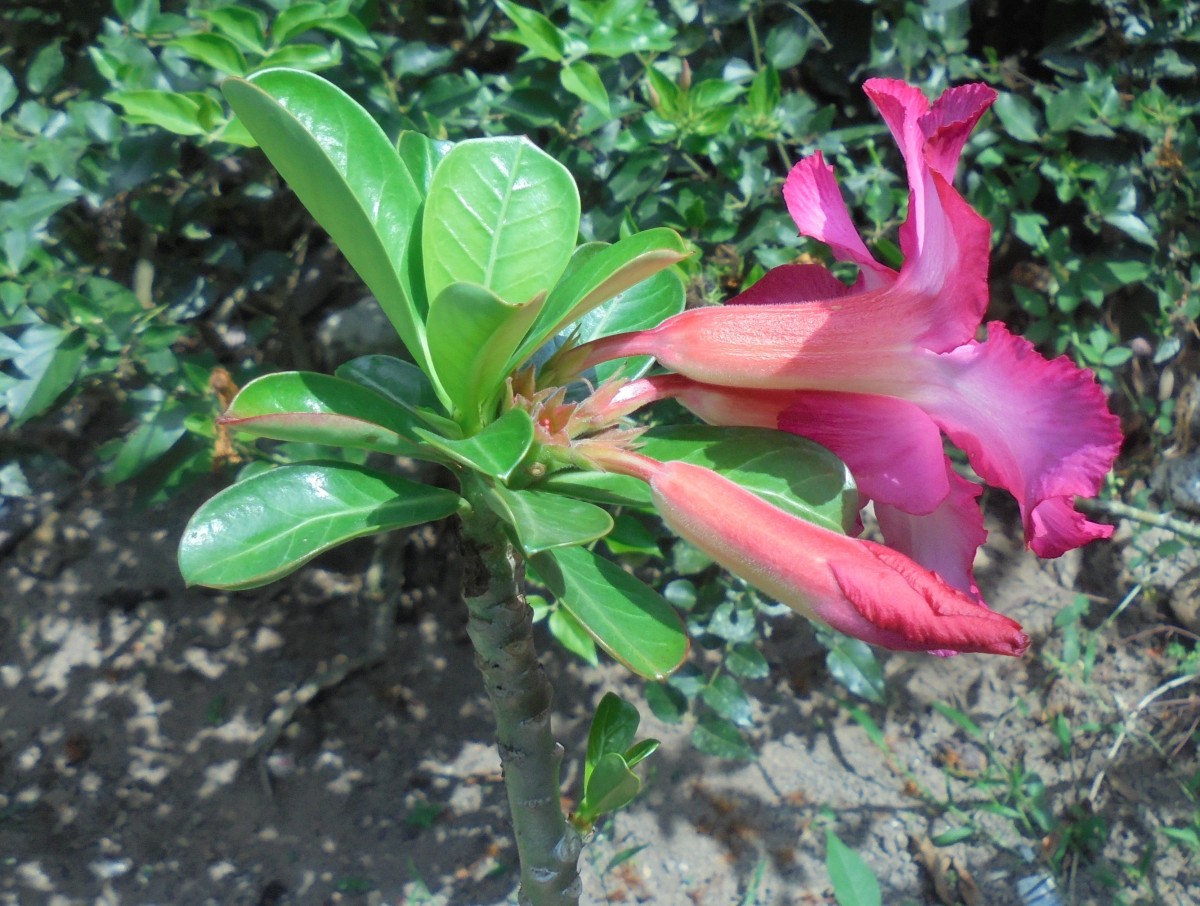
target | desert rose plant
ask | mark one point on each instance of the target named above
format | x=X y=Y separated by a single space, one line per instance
x=529 y=353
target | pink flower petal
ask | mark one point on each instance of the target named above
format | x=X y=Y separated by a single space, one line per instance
x=949 y=122
x=893 y=449
x=792 y=283
x=815 y=202
x=1039 y=429
x=944 y=541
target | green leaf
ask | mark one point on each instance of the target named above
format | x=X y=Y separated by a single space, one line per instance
x=641 y=751
x=46 y=68
x=614 y=728
x=502 y=214
x=546 y=521
x=160 y=430
x=349 y=176
x=582 y=80
x=666 y=703
x=743 y=659
x=421 y=156
x=271 y=524
x=629 y=620
x=497 y=450
x=726 y=696
x=298 y=18
x=472 y=333
x=852 y=663
x=641 y=307
x=715 y=735
x=534 y=31
x=212 y=50
x=247 y=27
x=611 y=786
x=168 y=110
x=603 y=274
x=401 y=382
x=8 y=90
x=598 y=487
x=960 y=720
x=1020 y=118
x=789 y=472
x=566 y=629
x=311 y=57
x=45 y=367
x=853 y=882
x=315 y=408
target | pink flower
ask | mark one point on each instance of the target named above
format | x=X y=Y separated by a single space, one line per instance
x=858 y=587
x=878 y=372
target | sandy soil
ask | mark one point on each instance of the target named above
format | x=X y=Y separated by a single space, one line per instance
x=128 y=704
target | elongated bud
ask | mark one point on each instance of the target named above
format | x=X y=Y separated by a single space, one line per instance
x=861 y=588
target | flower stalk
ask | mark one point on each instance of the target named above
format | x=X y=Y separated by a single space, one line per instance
x=501 y=630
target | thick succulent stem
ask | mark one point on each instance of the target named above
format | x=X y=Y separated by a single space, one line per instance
x=501 y=629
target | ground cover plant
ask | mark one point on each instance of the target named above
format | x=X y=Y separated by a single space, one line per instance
x=673 y=119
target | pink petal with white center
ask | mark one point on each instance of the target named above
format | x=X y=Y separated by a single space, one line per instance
x=945 y=540
x=1039 y=429
x=816 y=204
x=950 y=271
x=893 y=449
x=901 y=105
x=791 y=283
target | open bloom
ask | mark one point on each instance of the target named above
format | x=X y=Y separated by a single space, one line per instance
x=879 y=371
x=858 y=587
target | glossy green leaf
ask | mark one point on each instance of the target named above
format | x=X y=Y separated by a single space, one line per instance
x=603 y=273
x=534 y=31
x=614 y=728
x=629 y=620
x=166 y=109
x=247 y=27
x=572 y=636
x=598 y=487
x=316 y=408
x=497 y=450
x=853 y=882
x=349 y=176
x=639 y=752
x=641 y=307
x=501 y=213
x=401 y=382
x=611 y=786
x=472 y=333
x=213 y=50
x=582 y=80
x=546 y=521
x=269 y=525
x=160 y=429
x=789 y=472
x=421 y=155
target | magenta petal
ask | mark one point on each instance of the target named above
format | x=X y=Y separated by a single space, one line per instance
x=944 y=541
x=1039 y=429
x=950 y=270
x=949 y=122
x=815 y=202
x=900 y=105
x=893 y=449
x=793 y=283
